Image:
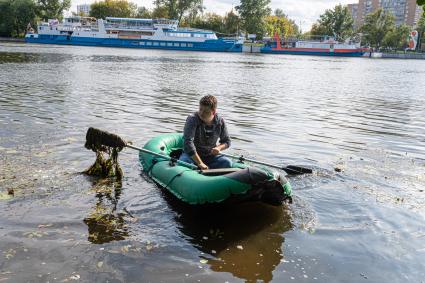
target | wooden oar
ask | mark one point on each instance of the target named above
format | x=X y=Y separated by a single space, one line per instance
x=96 y=138
x=290 y=169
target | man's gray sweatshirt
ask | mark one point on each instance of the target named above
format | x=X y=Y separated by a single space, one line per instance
x=201 y=138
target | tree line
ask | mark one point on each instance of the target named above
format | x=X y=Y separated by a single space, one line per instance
x=378 y=30
x=15 y=15
x=250 y=17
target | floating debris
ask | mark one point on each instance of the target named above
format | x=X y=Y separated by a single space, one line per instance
x=45 y=225
x=339 y=168
x=5 y=196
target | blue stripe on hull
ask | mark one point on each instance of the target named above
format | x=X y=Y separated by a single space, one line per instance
x=337 y=54
x=209 y=45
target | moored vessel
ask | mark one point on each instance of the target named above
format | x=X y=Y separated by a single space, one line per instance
x=326 y=47
x=131 y=33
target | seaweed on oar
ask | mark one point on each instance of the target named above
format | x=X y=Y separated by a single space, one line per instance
x=102 y=143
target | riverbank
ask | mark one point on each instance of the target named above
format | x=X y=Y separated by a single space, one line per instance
x=11 y=39
x=384 y=55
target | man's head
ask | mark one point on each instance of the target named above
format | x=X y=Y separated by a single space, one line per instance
x=207 y=108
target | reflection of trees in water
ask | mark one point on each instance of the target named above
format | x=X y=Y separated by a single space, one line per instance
x=245 y=240
x=104 y=223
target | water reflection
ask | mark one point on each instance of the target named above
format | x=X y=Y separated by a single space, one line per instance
x=245 y=240
x=104 y=223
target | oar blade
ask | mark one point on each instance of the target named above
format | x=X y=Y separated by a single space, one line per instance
x=297 y=170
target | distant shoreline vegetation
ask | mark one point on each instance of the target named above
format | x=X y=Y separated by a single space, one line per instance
x=250 y=17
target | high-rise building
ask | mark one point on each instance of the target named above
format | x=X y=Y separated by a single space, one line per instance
x=404 y=11
x=365 y=7
x=353 y=11
x=83 y=9
x=413 y=13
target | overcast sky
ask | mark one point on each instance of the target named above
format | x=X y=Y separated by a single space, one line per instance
x=304 y=12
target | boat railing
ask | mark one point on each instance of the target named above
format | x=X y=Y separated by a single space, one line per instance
x=126 y=27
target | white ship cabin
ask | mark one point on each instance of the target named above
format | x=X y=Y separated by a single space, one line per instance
x=158 y=29
x=329 y=44
x=53 y=26
x=124 y=28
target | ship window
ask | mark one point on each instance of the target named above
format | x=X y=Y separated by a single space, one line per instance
x=141 y=43
x=148 y=43
x=189 y=45
x=183 y=44
x=162 y=44
x=176 y=44
x=155 y=44
x=169 y=44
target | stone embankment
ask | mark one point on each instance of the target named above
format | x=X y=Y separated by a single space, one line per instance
x=398 y=55
x=11 y=39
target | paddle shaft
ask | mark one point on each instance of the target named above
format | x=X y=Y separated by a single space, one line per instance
x=293 y=170
x=241 y=158
x=163 y=156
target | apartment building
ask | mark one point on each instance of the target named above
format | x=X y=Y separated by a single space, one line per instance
x=404 y=11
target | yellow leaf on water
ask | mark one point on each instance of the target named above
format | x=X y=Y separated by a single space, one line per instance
x=100 y=264
x=124 y=249
x=5 y=196
x=45 y=225
x=204 y=261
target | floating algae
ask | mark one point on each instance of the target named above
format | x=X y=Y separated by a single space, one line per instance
x=101 y=143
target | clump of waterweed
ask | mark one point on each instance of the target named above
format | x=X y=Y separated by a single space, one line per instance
x=101 y=143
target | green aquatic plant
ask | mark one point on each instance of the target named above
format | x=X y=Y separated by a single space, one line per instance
x=104 y=143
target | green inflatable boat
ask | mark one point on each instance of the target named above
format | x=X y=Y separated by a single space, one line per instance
x=226 y=186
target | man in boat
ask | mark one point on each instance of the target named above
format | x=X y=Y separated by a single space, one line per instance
x=201 y=132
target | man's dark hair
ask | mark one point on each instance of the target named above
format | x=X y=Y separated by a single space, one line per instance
x=209 y=101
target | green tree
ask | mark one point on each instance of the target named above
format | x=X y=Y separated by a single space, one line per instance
x=335 y=22
x=24 y=14
x=421 y=23
x=397 y=38
x=282 y=25
x=6 y=18
x=160 y=12
x=113 y=8
x=376 y=27
x=227 y=25
x=143 y=13
x=15 y=15
x=421 y=2
x=252 y=13
x=52 y=9
x=209 y=21
x=177 y=9
x=279 y=13
x=231 y=23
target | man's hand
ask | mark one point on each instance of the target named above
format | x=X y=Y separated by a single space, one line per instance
x=203 y=166
x=215 y=150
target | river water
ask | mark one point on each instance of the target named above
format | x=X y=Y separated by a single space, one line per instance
x=363 y=116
